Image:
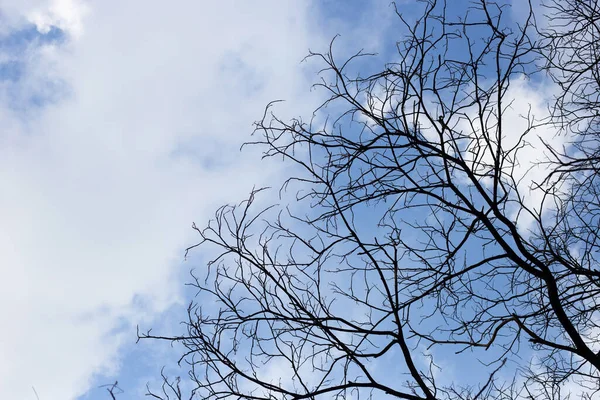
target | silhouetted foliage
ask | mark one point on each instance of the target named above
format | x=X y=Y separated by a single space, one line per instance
x=426 y=228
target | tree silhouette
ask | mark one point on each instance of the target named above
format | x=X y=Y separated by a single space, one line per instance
x=429 y=225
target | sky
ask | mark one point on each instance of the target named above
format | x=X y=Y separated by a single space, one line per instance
x=121 y=125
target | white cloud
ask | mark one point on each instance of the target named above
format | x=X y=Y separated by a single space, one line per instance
x=63 y=14
x=146 y=105
x=67 y=15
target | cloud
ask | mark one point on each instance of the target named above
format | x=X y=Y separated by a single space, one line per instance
x=115 y=139
x=64 y=14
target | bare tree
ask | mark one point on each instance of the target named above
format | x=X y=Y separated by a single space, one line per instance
x=426 y=225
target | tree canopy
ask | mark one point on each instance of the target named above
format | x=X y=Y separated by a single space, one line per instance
x=439 y=238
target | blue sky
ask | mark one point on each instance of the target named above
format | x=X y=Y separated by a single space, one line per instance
x=16 y=43
x=121 y=125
